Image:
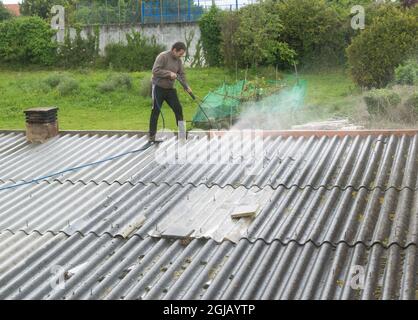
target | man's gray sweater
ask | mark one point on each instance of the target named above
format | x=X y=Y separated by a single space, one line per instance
x=164 y=63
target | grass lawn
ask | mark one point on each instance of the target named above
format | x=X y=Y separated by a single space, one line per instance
x=329 y=93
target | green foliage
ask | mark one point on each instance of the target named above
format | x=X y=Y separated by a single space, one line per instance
x=412 y=103
x=259 y=35
x=67 y=86
x=128 y=11
x=53 y=80
x=127 y=110
x=27 y=40
x=115 y=81
x=230 y=50
x=407 y=73
x=379 y=100
x=409 y=3
x=145 y=87
x=381 y=47
x=122 y=80
x=138 y=54
x=42 y=8
x=210 y=34
x=197 y=60
x=4 y=13
x=79 y=51
x=106 y=86
x=314 y=30
x=100 y=13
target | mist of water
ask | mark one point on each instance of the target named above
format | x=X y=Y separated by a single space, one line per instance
x=274 y=112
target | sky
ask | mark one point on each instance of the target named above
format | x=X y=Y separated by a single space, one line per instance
x=10 y=1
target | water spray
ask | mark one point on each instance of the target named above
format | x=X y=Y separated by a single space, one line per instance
x=197 y=99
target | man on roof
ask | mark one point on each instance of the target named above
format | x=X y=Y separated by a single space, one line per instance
x=168 y=66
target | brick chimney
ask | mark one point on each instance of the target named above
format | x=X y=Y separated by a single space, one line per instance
x=41 y=124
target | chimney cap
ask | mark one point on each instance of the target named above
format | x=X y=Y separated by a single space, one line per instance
x=41 y=109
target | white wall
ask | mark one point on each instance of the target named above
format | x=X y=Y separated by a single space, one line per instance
x=165 y=34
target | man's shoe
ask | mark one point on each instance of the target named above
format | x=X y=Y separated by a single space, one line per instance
x=152 y=140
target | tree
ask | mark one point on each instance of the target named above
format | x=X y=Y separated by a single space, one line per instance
x=314 y=30
x=210 y=34
x=4 y=13
x=27 y=40
x=259 y=35
x=409 y=3
x=42 y=8
x=230 y=50
x=390 y=39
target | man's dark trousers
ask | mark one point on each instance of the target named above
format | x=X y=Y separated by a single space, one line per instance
x=159 y=96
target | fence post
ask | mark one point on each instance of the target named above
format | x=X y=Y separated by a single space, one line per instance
x=236 y=4
x=188 y=11
x=142 y=11
x=161 y=11
x=178 y=10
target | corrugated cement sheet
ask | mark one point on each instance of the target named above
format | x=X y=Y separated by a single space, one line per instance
x=301 y=215
x=358 y=162
x=330 y=208
x=92 y=267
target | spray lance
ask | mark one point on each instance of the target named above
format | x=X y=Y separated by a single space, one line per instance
x=194 y=99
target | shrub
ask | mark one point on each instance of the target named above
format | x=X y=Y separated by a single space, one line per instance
x=409 y=3
x=314 y=29
x=53 y=80
x=4 y=13
x=67 y=86
x=382 y=46
x=107 y=86
x=122 y=80
x=412 y=103
x=27 y=40
x=79 y=51
x=41 y=8
x=115 y=81
x=258 y=36
x=44 y=87
x=145 y=88
x=407 y=73
x=210 y=34
x=138 y=54
x=230 y=50
x=379 y=100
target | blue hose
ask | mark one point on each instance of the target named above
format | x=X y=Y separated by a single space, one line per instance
x=145 y=147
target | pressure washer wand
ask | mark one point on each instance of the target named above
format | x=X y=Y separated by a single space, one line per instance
x=184 y=86
x=194 y=98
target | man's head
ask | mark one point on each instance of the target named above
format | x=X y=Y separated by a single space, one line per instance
x=178 y=49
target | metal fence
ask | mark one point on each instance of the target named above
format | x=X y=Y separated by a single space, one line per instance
x=146 y=11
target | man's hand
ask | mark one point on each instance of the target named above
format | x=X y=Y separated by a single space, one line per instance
x=173 y=75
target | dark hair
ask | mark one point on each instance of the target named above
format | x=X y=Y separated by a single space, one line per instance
x=179 y=46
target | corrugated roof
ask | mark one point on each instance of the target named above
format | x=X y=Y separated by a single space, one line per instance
x=302 y=215
x=93 y=267
x=359 y=162
x=327 y=204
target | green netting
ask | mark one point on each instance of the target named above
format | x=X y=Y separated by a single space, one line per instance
x=224 y=105
x=221 y=103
